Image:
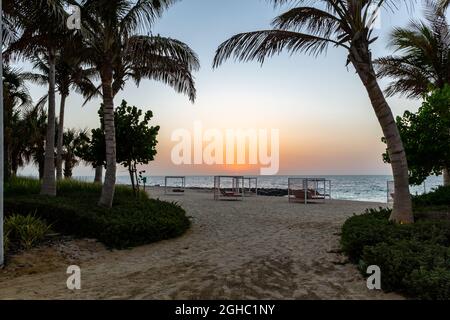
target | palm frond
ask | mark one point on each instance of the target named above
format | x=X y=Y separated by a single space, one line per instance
x=141 y=47
x=169 y=71
x=260 y=45
x=142 y=15
x=310 y=19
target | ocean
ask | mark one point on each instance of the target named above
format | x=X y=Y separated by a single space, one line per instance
x=357 y=188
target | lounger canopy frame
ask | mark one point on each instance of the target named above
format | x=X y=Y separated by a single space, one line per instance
x=229 y=188
x=178 y=188
x=250 y=186
x=309 y=190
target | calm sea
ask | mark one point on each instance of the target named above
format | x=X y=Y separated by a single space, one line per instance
x=360 y=188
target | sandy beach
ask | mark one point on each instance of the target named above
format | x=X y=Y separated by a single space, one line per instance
x=260 y=248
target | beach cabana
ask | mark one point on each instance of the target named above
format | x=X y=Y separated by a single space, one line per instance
x=250 y=187
x=174 y=185
x=229 y=188
x=308 y=190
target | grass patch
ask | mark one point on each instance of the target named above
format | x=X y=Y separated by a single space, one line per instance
x=24 y=232
x=131 y=222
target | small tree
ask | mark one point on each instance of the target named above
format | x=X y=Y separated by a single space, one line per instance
x=136 y=141
x=426 y=135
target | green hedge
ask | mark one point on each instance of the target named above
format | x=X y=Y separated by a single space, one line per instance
x=414 y=259
x=439 y=197
x=129 y=223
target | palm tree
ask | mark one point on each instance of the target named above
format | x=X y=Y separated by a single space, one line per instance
x=424 y=60
x=35 y=125
x=119 y=47
x=73 y=139
x=312 y=29
x=43 y=31
x=10 y=13
x=16 y=98
x=69 y=74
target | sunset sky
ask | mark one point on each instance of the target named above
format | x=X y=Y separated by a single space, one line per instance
x=320 y=107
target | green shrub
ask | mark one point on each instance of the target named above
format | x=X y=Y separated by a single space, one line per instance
x=131 y=222
x=364 y=230
x=430 y=284
x=439 y=197
x=27 y=231
x=399 y=260
x=412 y=257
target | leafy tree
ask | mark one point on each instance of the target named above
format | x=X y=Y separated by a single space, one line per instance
x=311 y=27
x=426 y=135
x=136 y=141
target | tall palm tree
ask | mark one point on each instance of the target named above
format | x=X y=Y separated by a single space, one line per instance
x=119 y=47
x=43 y=33
x=10 y=11
x=312 y=28
x=423 y=60
x=70 y=74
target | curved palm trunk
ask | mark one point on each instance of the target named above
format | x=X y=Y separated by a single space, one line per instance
x=98 y=174
x=402 y=211
x=109 y=184
x=59 y=143
x=49 y=181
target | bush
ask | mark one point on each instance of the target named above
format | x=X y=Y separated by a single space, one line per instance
x=364 y=230
x=439 y=197
x=430 y=285
x=131 y=222
x=26 y=231
x=412 y=257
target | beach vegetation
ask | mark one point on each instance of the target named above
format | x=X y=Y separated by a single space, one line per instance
x=74 y=212
x=135 y=137
x=414 y=259
x=25 y=231
x=426 y=135
x=420 y=69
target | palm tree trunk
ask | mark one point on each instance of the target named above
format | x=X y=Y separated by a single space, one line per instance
x=109 y=184
x=49 y=181
x=59 y=143
x=446 y=177
x=98 y=174
x=402 y=211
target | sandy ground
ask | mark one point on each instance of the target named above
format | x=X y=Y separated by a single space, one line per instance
x=261 y=248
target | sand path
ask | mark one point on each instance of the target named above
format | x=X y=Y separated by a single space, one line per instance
x=261 y=248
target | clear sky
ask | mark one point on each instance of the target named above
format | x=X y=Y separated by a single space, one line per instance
x=326 y=122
